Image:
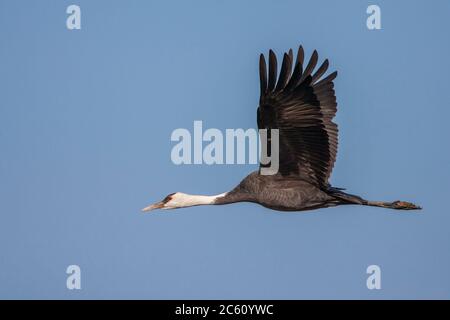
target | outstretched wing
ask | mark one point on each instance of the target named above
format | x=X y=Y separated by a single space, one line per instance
x=301 y=105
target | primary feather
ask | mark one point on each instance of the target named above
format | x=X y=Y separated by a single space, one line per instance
x=302 y=108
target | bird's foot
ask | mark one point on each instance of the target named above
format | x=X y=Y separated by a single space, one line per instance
x=403 y=205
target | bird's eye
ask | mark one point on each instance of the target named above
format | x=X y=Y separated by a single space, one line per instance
x=168 y=198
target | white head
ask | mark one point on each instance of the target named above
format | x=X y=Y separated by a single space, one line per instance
x=181 y=200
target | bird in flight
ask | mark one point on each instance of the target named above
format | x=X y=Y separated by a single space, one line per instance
x=301 y=104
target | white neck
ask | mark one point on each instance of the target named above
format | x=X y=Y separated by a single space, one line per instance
x=181 y=200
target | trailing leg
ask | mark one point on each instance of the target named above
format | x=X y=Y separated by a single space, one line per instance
x=398 y=205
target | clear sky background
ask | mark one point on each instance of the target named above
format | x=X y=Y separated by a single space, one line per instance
x=85 y=124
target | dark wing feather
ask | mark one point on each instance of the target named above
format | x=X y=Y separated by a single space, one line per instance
x=272 y=71
x=323 y=68
x=262 y=73
x=285 y=73
x=291 y=56
x=302 y=108
x=311 y=65
x=300 y=56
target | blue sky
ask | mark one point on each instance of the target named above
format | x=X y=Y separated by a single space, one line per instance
x=85 y=123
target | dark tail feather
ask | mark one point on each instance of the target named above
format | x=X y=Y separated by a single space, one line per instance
x=352 y=199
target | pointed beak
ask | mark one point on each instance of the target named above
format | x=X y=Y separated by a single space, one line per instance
x=154 y=206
